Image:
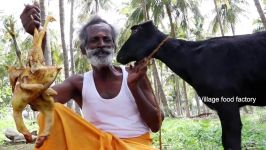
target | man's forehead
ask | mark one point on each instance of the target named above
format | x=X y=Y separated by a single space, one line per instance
x=100 y=27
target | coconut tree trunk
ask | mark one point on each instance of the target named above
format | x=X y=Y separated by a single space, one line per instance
x=186 y=99
x=65 y=52
x=251 y=109
x=71 y=31
x=168 y=11
x=173 y=34
x=205 y=109
x=233 y=29
x=47 y=48
x=178 y=98
x=197 y=102
x=145 y=12
x=167 y=110
x=245 y=109
x=62 y=30
x=219 y=17
x=231 y=24
x=97 y=6
x=260 y=11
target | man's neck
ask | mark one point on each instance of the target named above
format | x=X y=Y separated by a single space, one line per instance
x=106 y=72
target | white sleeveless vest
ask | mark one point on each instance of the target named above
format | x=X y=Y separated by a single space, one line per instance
x=119 y=115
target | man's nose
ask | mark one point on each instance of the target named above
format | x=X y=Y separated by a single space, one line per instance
x=101 y=43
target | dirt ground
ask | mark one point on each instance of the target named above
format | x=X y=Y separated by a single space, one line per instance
x=21 y=146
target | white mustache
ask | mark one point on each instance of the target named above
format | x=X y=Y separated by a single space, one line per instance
x=99 y=57
x=97 y=51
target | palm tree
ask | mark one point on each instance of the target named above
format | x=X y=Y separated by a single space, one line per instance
x=178 y=96
x=91 y=7
x=197 y=102
x=62 y=30
x=186 y=100
x=169 y=14
x=218 y=17
x=227 y=16
x=71 y=31
x=258 y=25
x=260 y=11
x=47 y=51
x=65 y=51
x=9 y=24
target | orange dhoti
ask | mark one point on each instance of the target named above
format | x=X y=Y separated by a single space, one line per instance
x=71 y=132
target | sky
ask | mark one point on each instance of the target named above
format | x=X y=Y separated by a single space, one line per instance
x=244 y=26
x=15 y=7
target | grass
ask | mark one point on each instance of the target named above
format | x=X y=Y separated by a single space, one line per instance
x=205 y=134
x=184 y=133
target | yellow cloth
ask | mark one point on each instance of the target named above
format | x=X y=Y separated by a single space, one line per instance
x=71 y=132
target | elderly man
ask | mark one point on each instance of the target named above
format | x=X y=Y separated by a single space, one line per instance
x=117 y=103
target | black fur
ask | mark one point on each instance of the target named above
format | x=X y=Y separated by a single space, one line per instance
x=222 y=68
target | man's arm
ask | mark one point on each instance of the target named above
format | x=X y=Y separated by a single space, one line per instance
x=69 y=89
x=26 y=18
x=29 y=23
x=145 y=99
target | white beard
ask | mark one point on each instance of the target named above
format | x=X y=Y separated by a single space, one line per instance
x=100 y=60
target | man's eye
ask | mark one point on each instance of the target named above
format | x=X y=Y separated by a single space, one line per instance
x=108 y=40
x=93 y=40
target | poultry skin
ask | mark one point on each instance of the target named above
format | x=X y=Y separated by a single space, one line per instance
x=30 y=85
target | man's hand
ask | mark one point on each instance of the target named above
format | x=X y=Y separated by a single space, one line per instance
x=30 y=18
x=137 y=72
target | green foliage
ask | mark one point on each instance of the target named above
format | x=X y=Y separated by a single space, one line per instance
x=229 y=12
x=8 y=56
x=81 y=64
x=5 y=96
x=190 y=134
x=195 y=134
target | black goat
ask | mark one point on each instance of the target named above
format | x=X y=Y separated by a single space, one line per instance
x=227 y=72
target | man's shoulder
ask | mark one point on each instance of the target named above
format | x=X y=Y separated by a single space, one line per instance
x=75 y=78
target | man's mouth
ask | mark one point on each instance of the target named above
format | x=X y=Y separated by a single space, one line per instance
x=101 y=53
